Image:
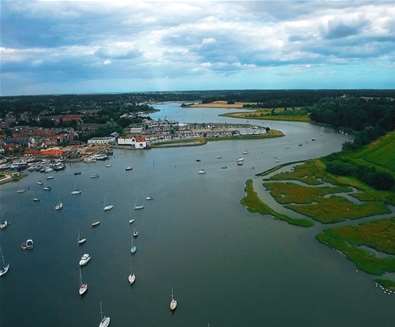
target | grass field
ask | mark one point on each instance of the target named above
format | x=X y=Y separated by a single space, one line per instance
x=386 y=283
x=347 y=239
x=336 y=209
x=285 y=193
x=254 y=204
x=266 y=114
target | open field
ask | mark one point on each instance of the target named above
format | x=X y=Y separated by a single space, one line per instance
x=349 y=239
x=266 y=114
x=254 y=204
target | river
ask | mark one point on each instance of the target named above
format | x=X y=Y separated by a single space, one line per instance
x=228 y=267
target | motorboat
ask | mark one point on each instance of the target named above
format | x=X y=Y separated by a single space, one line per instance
x=133 y=248
x=245 y=152
x=3 y=225
x=36 y=200
x=83 y=286
x=77 y=173
x=39 y=183
x=59 y=166
x=59 y=206
x=105 y=321
x=218 y=157
x=4 y=266
x=148 y=198
x=84 y=259
x=108 y=207
x=76 y=192
x=81 y=240
x=101 y=156
x=47 y=188
x=138 y=207
x=129 y=168
x=21 y=191
x=135 y=234
x=131 y=221
x=50 y=177
x=108 y=165
x=201 y=172
x=94 y=176
x=173 y=302
x=48 y=170
x=27 y=245
x=96 y=223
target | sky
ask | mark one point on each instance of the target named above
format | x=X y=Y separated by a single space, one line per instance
x=89 y=46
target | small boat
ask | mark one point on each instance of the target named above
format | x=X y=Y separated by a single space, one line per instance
x=300 y=144
x=59 y=166
x=108 y=207
x=133 y=248
x=48 y=170
x=313 y=139
x=59 y=206
x=83 y=286
x=245 y=152
x=3 y=225
x=131 y=221
x=27 y=245
x=77 y=173
x=138 y=207
x=218 y=157
x=148 y=198
x=131 y=278
x=135 y=234
x=21 y=191
x=104 y=321
x=84 y=259
x=224 y=167
x=81 y=240
x=39 y=183
x=241 y=159
x=101 y=156
x=173 y=302
x=108 y=165
x=36 y=200
x=128 y=168
x=47 y=188
x=96 y=223
x=94 y=176
x=76 y=192
x=4 y=267
x=201 y=172
x=50 y=177
x=197 y=160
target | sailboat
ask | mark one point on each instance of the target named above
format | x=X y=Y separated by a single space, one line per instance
x=132 y=276
x=4 y=267
x=3 y=225
x=76 y=192
x=135 y=233
x=59 y=206
x=104 y=321
x=83 y=286
x=173 y=302
x=81 y=240
x=131 y=221
x=108 y=207
x=133 y=248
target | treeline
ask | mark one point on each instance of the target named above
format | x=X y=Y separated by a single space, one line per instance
x=367 y=118
x=372 y=176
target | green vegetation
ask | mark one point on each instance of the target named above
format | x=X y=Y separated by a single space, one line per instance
x=254 y=204
x=335 y=209
x=292 y=193
x=178 y=143
x=296 y=115
x=349 y=241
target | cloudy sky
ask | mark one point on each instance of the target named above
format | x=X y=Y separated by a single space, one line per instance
x=117 y=46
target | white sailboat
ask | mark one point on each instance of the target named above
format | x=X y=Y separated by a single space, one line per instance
x=108 y=207
x=173 y=302
x=4 y=267
x=96 y=223
x=148 y=198
x=201 y=172
x=104 y=321
x=59 y=206
x=83 y=286
x=84 y=259
x=132 y=276
x=131 y=221
x=76 y=192
x=3 y=225
x=135 y=233
x=133 y=248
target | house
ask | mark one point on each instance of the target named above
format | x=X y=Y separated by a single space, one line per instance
x=137 y=141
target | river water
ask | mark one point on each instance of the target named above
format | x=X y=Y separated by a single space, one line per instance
x=228 y=267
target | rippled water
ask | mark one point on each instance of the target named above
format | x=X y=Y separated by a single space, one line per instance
x=227 y=266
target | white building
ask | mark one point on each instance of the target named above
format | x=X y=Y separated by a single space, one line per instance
x=138 y=141
x=102 y=140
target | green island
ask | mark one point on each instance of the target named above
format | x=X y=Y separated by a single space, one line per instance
x=356 y=183
x=290 y=114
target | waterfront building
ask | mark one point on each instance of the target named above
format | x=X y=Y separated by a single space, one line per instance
x=102 y=140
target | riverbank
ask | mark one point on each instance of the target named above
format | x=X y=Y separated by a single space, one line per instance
x=266 y=114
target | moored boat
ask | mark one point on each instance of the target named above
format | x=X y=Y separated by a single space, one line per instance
x=173 y=302
x=104 y=321
x=96 y=223
x=76 y=192
x=4 y=267
x=108 y=207
x=85 y=259
x=27 y=245
x=3 y=225
x=59 y=206
x=83 y=286
x=138 y=207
